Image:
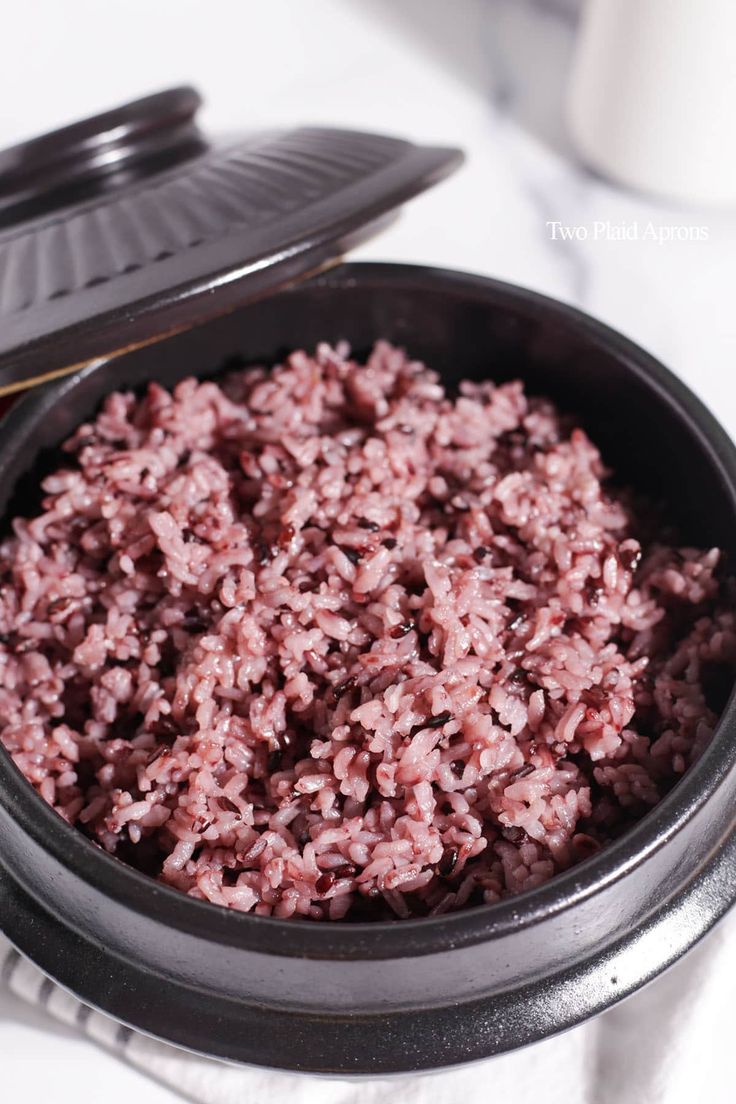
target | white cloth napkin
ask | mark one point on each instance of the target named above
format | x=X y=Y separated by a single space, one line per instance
x=669 y=1044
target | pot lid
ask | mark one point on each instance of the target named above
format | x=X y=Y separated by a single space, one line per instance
x=131 y=225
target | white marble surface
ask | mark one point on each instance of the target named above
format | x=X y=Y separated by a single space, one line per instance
x=488 y=75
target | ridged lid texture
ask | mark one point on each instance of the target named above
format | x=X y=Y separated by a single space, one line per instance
x=131 y=225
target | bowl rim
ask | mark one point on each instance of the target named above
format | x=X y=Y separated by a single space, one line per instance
x=419 y=936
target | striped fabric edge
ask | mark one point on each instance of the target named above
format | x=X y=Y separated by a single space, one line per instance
x=30 y=984
x=193 y=1078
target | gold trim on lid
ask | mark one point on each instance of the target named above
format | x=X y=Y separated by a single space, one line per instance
x=59 y=373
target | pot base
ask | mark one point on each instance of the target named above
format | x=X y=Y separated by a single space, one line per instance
x=395 y=1042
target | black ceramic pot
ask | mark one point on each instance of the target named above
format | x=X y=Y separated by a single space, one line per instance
x=418 y=994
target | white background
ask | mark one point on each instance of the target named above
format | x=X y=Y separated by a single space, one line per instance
x=488 y=75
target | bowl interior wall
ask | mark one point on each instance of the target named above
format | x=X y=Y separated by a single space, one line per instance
x=501 y=334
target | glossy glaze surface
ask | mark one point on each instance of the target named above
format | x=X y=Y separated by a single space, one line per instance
x=133 y=224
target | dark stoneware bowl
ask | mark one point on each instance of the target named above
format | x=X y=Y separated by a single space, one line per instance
x=420 y=994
